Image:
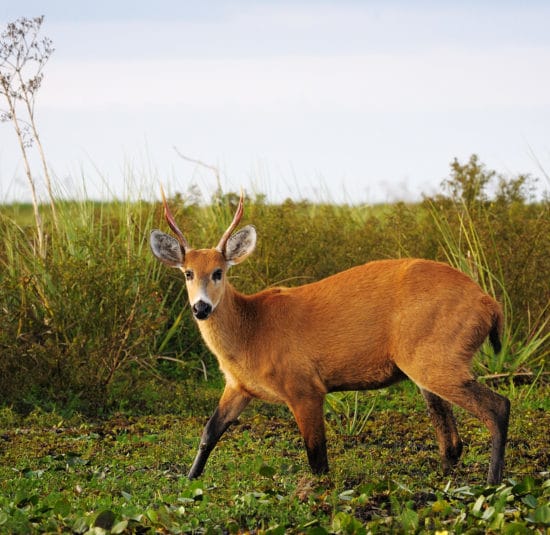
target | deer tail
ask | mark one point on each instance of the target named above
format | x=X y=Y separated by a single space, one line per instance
x=495 y=334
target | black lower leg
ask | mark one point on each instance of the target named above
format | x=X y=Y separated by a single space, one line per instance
x=317 y=457
x=214 y=429
x=494 y=411
x=309 y=417
x=502 y=417
x=450 y=445
x=231 y=404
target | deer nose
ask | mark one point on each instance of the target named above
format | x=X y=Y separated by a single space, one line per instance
x=201 y=310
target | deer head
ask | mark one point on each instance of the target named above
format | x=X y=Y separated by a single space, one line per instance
x=204 y=269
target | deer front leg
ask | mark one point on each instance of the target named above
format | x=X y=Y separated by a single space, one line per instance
x=231 y=404
x=309 y=417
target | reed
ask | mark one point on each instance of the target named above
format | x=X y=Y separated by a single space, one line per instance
x=97 y=314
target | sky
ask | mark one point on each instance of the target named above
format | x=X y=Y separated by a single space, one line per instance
x=348 y=101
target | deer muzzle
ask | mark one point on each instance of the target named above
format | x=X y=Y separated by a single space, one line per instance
x=201 y=310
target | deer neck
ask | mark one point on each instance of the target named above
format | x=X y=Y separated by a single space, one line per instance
x=227 y=331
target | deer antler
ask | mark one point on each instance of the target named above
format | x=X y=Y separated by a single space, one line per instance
x=171 y=222
x=238 y=215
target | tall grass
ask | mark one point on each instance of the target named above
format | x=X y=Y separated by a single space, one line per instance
x=526 y=339
x=349 y=412
x=97 y=323
x=91 y=307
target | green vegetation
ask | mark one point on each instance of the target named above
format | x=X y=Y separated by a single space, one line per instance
x=128 y=475
x=100 y=316
x=105 y=383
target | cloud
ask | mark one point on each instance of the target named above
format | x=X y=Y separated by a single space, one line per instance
x=360 y=93
x=439 y=80
x=296 y=57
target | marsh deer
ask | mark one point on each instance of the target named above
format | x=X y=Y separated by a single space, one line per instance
x=364 y=328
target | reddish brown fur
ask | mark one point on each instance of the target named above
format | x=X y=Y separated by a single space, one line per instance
x=363 y=328
x=353 y=330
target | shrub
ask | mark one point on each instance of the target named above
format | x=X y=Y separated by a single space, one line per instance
x=86 y=326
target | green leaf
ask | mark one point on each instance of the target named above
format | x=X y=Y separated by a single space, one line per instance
x=152 y=515
x=32 y=474
x=120 y=527
x=497 y=522
x=267 y=471
x=530 y=501
x=62 y=507
x=346 y=523
x=198 y=494
x=542 y=515
x=21 y=499
x=527 y=485
x=441 y=506
x=346 y=495
x=232 y=527
x=316 y=530
x=81 y=525
x=105 y=520
x=488 y=513
x=516 y=528
x=409 y=520
x=478 y=505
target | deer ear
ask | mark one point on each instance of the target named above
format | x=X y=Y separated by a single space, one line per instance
x=167 y=249
x=240 y=245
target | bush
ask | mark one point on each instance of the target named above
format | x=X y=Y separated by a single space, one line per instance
x=90 y=324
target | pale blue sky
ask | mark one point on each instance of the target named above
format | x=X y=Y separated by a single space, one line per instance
x=346 y=101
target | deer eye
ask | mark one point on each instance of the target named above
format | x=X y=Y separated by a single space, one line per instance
x=189 y=274
x=217 y=275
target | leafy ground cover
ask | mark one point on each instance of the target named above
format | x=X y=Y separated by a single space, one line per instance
x=109 y=450
x=128 y=474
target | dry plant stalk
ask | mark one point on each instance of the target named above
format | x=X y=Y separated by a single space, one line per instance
x=22 y=59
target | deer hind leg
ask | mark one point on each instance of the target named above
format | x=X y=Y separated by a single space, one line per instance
x=491 y=408
x=308 y=413
x=231 y=404
x=494 y=411
x=450 y=445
